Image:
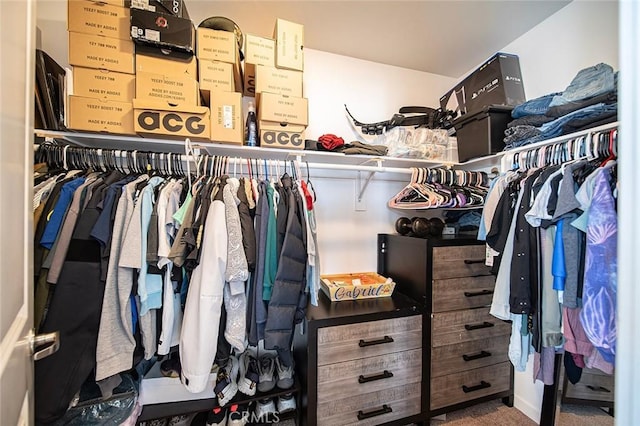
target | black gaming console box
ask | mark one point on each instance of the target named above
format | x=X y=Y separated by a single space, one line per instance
x=498 y=81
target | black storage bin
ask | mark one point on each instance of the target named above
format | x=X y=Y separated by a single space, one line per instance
x=482 y=133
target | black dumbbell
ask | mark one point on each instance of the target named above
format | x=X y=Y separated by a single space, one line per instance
x=419 y=226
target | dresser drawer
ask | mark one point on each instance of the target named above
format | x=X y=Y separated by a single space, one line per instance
x=354 y=341
x=462 y=293
x=460 y=261
x=346 y=379
x=460 y=387
x=448 y=328
x=593 y=385
x=374 y=407
x=467 y=356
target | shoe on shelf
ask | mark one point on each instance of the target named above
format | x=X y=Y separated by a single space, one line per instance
x=226 y=386
x=217 y=417
x=170 y=367
x=238 y=415
x=249 y=374
x=285 y=375
x=267 y=379
x=286 y=403
x=265 y=410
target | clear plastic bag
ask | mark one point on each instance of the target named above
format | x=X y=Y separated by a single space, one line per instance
x=420 y=143
x=95 y=410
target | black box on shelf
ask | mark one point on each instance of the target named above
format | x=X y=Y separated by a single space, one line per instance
x=498 y=81
x=163 y=31
x=482 y=133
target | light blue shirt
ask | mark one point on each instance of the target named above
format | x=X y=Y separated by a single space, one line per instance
x=149 y=285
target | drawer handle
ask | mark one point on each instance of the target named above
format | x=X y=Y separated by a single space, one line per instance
x=472 y=261
x=380 y=411
x=477 y=293
x=385 y=339
x=384 y=375
x=482 y=354
x=598 y=389
x=478 y=326
x=482 y=385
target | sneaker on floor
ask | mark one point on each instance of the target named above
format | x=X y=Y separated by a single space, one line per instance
x=265 y=410
x=249 y=374
x=267 y=379
x=286 y=403
x=171 y=367
x=238 y=415
x=226 y=386
x=217 y=417
x=285 y=375
x=181 y=420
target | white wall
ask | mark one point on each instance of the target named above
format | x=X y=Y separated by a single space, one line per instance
x=581 y=34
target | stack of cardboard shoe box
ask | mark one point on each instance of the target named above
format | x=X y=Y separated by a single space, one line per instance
x=102 y=60
x=167 y=99
x=220 y=77
x=282 y=109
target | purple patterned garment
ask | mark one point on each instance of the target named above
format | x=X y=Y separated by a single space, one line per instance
x=598 y=314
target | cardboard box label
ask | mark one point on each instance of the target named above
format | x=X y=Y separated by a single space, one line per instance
x=172 y=122
x=277 y=135
x=283 y=109
x=168 y=65
x=216 y=75
x=99 y=18
x=215 y=45
x=98 y=115
x=176 y=89
x=280 y=81
x=103 y=84
x=259 y=51
x=226 y=117
x=289 y=45
x=92 y=51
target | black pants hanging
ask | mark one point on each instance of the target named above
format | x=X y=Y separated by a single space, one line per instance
x=75 y=309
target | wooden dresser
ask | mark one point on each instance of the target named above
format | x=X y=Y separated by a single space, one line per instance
x=466 y=348
x=594 y=388
x=361 y=362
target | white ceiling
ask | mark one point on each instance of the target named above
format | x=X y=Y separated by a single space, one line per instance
x=442 y=37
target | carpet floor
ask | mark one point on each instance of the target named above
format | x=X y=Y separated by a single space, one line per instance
x=495 y=413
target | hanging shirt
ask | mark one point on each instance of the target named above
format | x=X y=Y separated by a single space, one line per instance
x=59 y=212
x=598 y=314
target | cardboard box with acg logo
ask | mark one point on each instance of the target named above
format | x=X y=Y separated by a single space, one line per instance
x=282 y=121
x=162 y=118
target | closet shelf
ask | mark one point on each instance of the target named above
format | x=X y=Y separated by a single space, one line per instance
x=331 y=160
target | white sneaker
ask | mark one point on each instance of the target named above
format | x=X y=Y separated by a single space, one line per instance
x=286 y=403
x=267 y=366
x=285 y=375
x=265 y=410
x=226 y=387
x=238 y=415
x=217 y=417
x=249 y=374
